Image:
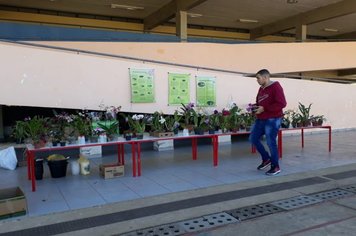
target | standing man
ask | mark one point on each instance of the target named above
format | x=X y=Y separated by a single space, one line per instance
x=270 y=101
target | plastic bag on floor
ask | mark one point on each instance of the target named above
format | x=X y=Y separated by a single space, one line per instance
x=8 y=159
x=84 y=165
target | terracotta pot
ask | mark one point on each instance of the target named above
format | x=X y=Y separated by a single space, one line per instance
x=39 y=144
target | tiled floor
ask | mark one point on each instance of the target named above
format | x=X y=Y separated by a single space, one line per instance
x=174 y=171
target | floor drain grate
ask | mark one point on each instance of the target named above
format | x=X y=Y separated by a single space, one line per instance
x=251 y=212
x=296 y=202
x=351 y=188
x=208 y=221
x=162 y=230
x=332 y=194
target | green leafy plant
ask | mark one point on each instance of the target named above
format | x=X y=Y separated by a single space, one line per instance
x=248 y=119
x=304 y=113
x=317 y=120
x=187 y=113
x=172 y=122
x=286 y=119
x=157 y=122
x=214 y=120
x=235 y=117
x=110 y=127
x=36 y=128
x=82 y=125
x=296 y=119
x=19 y=131
x=137 y=123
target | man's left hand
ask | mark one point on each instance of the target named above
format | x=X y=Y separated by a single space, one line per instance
x=259 y=110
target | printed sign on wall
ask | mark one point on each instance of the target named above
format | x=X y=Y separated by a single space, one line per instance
x=179 y=88
x=142 y=85
x=206 y=91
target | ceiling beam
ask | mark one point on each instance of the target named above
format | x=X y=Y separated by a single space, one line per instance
x=317 y=15
x=168 y=11
x=346 y=36
x=346 y=72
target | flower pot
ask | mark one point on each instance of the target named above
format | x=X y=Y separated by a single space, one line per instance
x=63 y=143
x=93 y=139
x=39 y=144
x=55 y=143
x=81 y=140
x=224 y=130
x=211 y=131
x=103 y=138
x=285 y=125
x=189 y=127
x=39 y=169
x=139 y=136
x=234 y=130
x=58 y=168
x=113 y=137
x=128 y=137
x=185 y=132
x=198 y=131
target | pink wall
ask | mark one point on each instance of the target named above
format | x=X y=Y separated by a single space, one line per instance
x=33 y=76
x=247 y=58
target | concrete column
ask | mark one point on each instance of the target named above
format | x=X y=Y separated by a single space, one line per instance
x=182 y=25
x=163 y=145
x=301 y=33
x=225 y=139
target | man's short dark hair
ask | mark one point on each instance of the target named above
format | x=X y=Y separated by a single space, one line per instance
x=263 y=72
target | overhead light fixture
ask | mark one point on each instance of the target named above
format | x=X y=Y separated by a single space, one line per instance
x=126 y=7
x=248 y=21
x=194 y=15
x=330 y=30
x=292 y=1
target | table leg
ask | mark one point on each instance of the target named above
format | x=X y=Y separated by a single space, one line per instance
x=329 y=139
x=280 y=143
x=28 y=164
x=133 y=150
x=32 y=171
x=302 y=138
x=138 y=159
x=122 y=154
x=194 y=148
x=215 y=150
x=119 y=159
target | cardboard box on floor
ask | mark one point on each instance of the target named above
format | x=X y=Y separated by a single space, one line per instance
x=12 y=203
x=112 y=170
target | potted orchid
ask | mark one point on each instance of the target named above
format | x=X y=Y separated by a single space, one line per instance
x=64 y=124
x=200 y=122
x=137 y=124
x=224 y=120
x=110 y=112
x=213 y=122
x=235 y=118
x=36 y=128
x=172 y=122
x=96 y=133
x=157 y=122
x=187 y=113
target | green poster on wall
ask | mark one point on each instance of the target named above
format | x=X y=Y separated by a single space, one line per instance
x=142 y=85
x=179 y=88
x=206 y=91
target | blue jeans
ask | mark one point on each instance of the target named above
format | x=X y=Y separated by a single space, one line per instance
x=268 y=127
